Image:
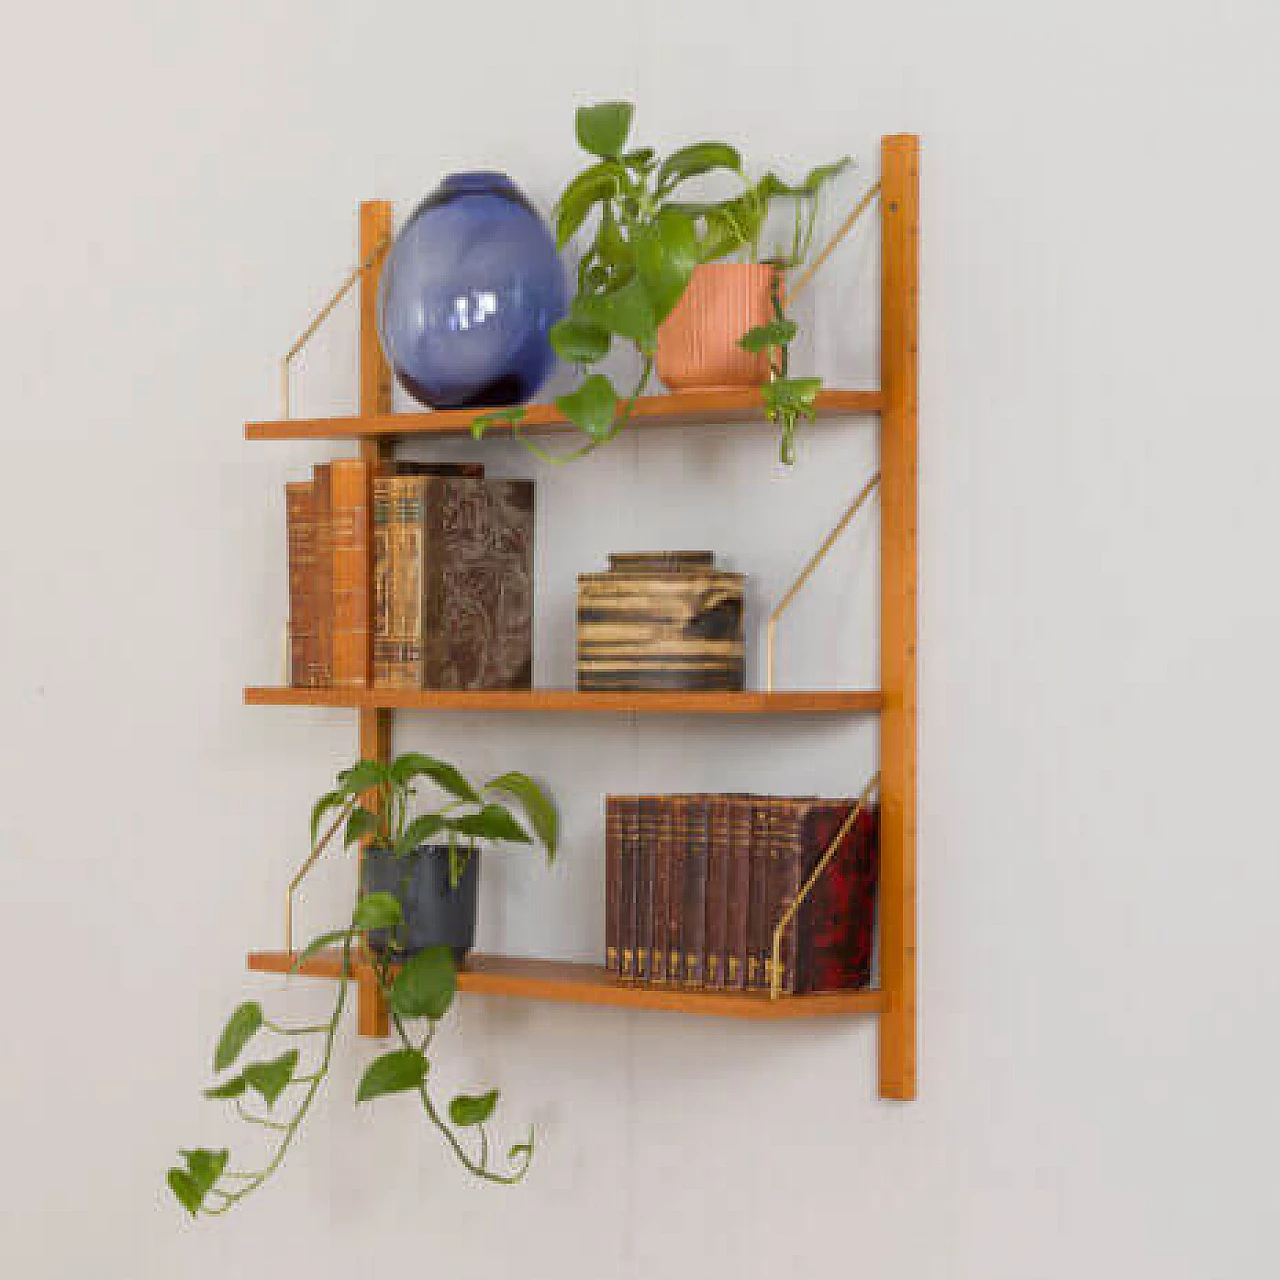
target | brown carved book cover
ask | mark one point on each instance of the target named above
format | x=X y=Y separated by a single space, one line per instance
x=693 y=933
x=352 y=570
x=679 y=810
x=717 y=891
x=758 y=896
x=659 y=957
x=612 y=880
x=738 y=893
x=301 y=541
x=630 y=807
x=477 y=584
x=320 y=669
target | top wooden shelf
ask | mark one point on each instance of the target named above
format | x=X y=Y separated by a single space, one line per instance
x=680 y=409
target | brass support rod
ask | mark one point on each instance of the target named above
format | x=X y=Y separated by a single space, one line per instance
x=794 y=590
x=302 y=871
x=829 y=248
x=323 y=314
x=775 y=965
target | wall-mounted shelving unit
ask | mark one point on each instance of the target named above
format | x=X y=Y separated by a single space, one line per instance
x=377 y=429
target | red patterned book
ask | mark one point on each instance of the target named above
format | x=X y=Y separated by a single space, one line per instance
x=612 y=881
x=658 y=956
x=738 y=892
x=630 y=807
x=717 y=891
x=301 y=531
x=758 y=896
x=320 y=669
x=693 y=932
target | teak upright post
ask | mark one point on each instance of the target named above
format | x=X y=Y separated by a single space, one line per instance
x=375 y=397
x=900 y=205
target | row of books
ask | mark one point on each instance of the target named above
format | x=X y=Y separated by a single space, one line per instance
x=695 y=886
x=410 y=575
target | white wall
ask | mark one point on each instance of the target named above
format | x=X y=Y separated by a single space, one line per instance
x=1099 y=630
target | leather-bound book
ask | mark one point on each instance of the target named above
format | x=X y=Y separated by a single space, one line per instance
x=836 y=921
x=612 y=881
x=301 y=533
x=320 y=669
x=477 y=584
x=383 y=500
x=693 y=933
x=784 y=884
x=645 y=874
x=758 y=896
x=630 y=807
x=717 y=891
x=352 y=570
x=679 y=808
x=739 y=892
x=660 y=953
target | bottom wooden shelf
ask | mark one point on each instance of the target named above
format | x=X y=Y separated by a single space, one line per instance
x=569 y=983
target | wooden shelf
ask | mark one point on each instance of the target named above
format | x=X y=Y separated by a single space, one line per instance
x=679 y=409
x=568 y=983
x=750 y=703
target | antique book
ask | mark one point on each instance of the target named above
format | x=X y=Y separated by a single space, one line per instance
x=659 y=955
x=784 y=884
x=717 y=891
x=382 y=572
x=320 y=671
x=349 y=518
x=301 y=533
x=738 y=892
x=650 y=810
x=758 y=939
x=630 y=807
x=693 y=931
x=612 y=880
x=679 y=836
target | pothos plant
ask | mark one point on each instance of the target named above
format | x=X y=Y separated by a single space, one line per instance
x=648 y=238
x=374 y=800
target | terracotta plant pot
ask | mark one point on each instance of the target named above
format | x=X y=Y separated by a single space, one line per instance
x=698 y=342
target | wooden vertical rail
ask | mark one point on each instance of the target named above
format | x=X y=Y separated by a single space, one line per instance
x=375 y=397
x=900 y=203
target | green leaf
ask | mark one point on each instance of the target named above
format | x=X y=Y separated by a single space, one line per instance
x=364 y=775
x=597 y=185
x=693 y=160
x=627 y=311
x=777 y=333
x=360 y=824
x=232 y=1088
x=242 y=1024
x=270 y=1079
x=666 y=255
x=524 y=1149
x=445 y=776
x=466 y=1111
x=536 y=804
x=578 y=343
x=730 y=225
x=641 y=159
x=823 y=173
x=392 y=1073
x=377 y=911
x=204 y=1166
x=496 y=418
x=493 y=822
x=796 y=394
x=602 y=130
x=419 y=831
x=591 y=406
x=425 y=986
x=330 y=800
x=318 y=944
x=183 y=1185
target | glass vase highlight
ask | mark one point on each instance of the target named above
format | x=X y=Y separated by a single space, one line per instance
x=470 y=288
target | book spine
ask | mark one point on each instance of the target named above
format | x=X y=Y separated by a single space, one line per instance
x=444 y=537
x=645 y=874
x=659 y=957
x=401 y=665
x=320 y=670
x=383 y=578
x=758 y=896
x=612 y=881
x=627 y=900
x=678 y=807
x=352 y=564
x=717 y=892
x=738 y=893
x=301 y=533
x=784 y=885
x=693 y=933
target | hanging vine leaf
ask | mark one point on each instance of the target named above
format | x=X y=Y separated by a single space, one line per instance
x=240 y=1028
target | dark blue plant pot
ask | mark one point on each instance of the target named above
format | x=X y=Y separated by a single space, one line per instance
x=471 y=286
x=435 y=913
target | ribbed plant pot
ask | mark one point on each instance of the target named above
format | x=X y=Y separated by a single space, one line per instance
x=698 y=342
x=435 y=913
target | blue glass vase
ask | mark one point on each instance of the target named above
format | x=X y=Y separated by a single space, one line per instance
x=470 y=288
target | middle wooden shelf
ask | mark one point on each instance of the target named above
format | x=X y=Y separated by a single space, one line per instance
x=675 y=702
